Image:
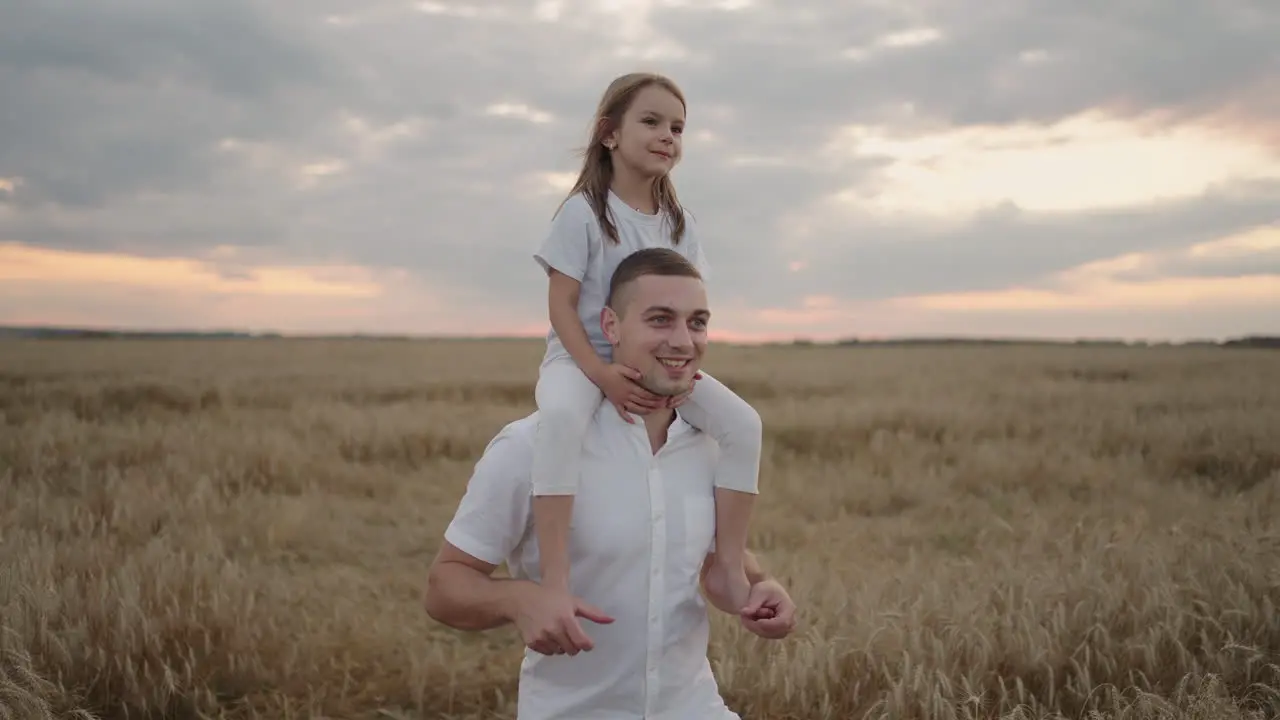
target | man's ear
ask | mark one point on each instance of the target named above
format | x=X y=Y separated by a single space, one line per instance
x=609 y=324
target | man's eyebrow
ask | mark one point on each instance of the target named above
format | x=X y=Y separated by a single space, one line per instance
x=660 y=309
x=672 y=311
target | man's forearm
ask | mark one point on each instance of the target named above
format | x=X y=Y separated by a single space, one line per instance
x=751 y=563
x=466 y=599
x=755 y=573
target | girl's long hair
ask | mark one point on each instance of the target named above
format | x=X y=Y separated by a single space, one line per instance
x=596 y=176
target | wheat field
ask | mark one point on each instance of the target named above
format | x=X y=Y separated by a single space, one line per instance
x=241 y=529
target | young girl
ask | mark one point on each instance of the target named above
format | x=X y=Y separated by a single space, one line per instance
x=624 y=201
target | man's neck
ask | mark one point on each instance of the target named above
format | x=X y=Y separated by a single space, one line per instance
x=634 y=190
x=656 y=425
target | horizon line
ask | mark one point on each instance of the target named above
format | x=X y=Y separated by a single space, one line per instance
x=30 y=330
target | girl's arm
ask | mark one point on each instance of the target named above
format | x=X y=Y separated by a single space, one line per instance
x=562 y=301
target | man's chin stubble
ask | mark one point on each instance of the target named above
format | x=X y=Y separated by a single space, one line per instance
x=651 y=386
x=660 y=392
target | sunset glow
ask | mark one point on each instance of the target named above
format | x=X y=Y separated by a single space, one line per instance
x=46 y=286
x=1090 y=161
x=1168 y=294
x=43 y=267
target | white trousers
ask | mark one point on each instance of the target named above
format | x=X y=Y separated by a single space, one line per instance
x=567 y=400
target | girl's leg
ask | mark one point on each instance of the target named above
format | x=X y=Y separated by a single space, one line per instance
x=719 y=412
x=566 y=401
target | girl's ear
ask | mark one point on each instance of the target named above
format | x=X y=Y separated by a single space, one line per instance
x=606 y=133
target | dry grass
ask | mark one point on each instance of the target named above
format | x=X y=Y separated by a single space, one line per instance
x=241 y=529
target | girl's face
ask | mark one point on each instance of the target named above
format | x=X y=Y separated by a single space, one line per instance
x=648 y=140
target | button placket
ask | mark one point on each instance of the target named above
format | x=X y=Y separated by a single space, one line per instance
x=657 y=561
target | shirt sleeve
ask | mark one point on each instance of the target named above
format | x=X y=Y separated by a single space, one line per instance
x=494 y=512
x=567 y=245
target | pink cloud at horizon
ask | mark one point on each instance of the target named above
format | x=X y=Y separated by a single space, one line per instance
x=57 y=287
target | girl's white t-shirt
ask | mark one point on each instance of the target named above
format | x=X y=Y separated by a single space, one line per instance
x=576 y=246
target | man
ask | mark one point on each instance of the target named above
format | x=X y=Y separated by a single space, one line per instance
x=640 y=542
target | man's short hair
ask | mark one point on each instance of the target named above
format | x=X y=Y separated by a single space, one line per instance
x=650 y=261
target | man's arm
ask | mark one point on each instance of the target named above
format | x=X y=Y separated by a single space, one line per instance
x=770 y=612
x=755 y=572
x=492 y=518
x=461 y=591
x=463 y=594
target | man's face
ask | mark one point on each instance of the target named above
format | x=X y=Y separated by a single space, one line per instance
x=660 y=329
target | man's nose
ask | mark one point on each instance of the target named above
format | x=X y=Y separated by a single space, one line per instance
x=681 y=337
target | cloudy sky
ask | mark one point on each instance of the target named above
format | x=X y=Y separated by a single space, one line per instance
x=863 y=167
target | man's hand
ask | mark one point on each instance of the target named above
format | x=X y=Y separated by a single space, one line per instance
x=769 y=613
x=548 y=620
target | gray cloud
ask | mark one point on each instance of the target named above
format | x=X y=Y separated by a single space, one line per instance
x=995 y=62
x=109 y=100
x=1234 y=267
x=1211 y=262
x=116 y=115
x=1008 y=247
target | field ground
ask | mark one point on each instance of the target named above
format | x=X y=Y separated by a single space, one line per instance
x=242 y=528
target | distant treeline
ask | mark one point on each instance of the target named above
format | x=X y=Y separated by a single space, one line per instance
x=64 y=333
x=58 y=333
x=1255 y=341
x=1252 y=341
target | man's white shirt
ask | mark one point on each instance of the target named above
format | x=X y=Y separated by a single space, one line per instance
x=642 y=525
